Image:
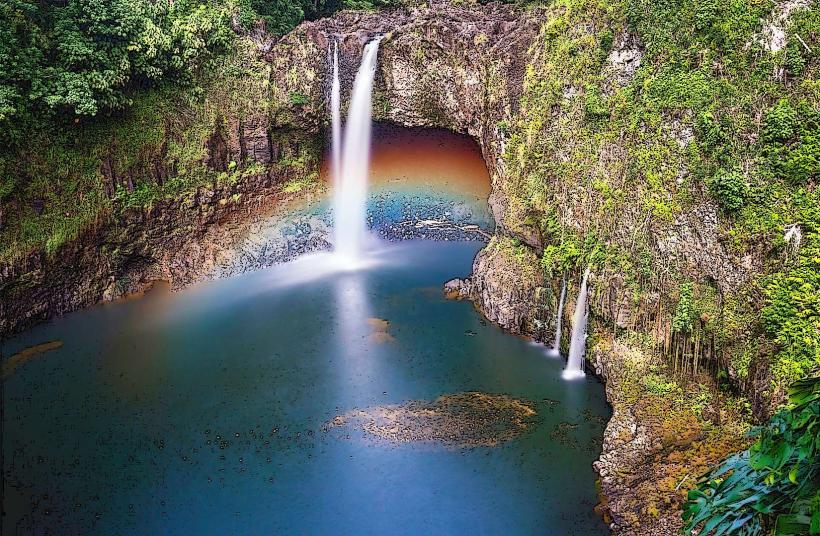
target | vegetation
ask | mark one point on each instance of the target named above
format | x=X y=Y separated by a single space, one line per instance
x=132 y=84
x=706 y=115
x=68 y=177
x=692 y=426
x=710 y=112
x=81 y=57
x=792 y=312
x=281 y=16
x=772 y=487
x=602 y=162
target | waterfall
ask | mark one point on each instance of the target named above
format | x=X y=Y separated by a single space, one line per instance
x=350 y=188
x=336 y=107
x=556 y=346
x=578 y=343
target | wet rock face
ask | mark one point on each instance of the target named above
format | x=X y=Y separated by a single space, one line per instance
x=180 y=241
x=461 y=420
x=255 y=141
x=504 y=286
x=456 y=67
x=695 y=240
x=622 y=62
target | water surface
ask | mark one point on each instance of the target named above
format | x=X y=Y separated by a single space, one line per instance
x=204 y=411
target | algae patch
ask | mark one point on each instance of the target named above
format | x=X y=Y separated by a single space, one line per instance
x=460 y=420
x=24 y=355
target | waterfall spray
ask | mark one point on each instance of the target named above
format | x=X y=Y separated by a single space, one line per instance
x=578 y=343
x=556 y=345
x=350 y=190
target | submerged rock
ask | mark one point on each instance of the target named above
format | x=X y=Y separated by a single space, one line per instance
x=461 y=420
x=379 y=333
x=24 y=355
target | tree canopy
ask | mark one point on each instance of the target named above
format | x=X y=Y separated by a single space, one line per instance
x=81 y=57
x=78 y=58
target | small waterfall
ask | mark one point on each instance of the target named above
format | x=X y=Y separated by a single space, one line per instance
x=336 y=107
x=556 y=345
x=350 y=189
x=578 y=343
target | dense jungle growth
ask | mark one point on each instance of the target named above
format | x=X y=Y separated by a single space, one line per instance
x=776 y=482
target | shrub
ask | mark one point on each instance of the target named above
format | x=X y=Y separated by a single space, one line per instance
x=729 y=189
x=792 y=317
x=606 y=40
x=560 y=258
x=706 y=12
x=792 y=142
x=794 y=61
x=709 y=131
x=682 y=321
x=659 y=385
x=778 y=126
x=297 y=98
x=595 y=106
x=800 y=162
x=773 y=484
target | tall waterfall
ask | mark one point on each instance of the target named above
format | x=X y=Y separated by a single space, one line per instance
x=578 y=343
x=556 y=345
x=336 y=107
x=350 y=188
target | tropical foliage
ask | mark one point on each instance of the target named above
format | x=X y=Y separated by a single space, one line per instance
x=281 y=16
x=792 y=312
x=774 y=485
x=81 y=57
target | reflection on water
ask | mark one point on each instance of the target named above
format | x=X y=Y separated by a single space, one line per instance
x=205 y=411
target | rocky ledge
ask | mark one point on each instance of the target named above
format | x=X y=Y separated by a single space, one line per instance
x=180 y=241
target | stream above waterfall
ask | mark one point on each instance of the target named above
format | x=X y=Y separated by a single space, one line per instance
x=276 y=402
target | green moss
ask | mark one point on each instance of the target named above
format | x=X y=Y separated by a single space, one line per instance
x=595 y=107
x=298 y=185
x=779 y=124
x=702 y=115
x=660 y=385
x=297 y=98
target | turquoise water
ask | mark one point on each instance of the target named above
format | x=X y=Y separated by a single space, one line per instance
x=204 y=411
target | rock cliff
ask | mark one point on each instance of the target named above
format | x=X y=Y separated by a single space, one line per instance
x=470 y=69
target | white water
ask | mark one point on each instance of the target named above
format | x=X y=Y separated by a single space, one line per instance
x=556 y=345
x=578 y=343
x=350 y=187
x=336 y=107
